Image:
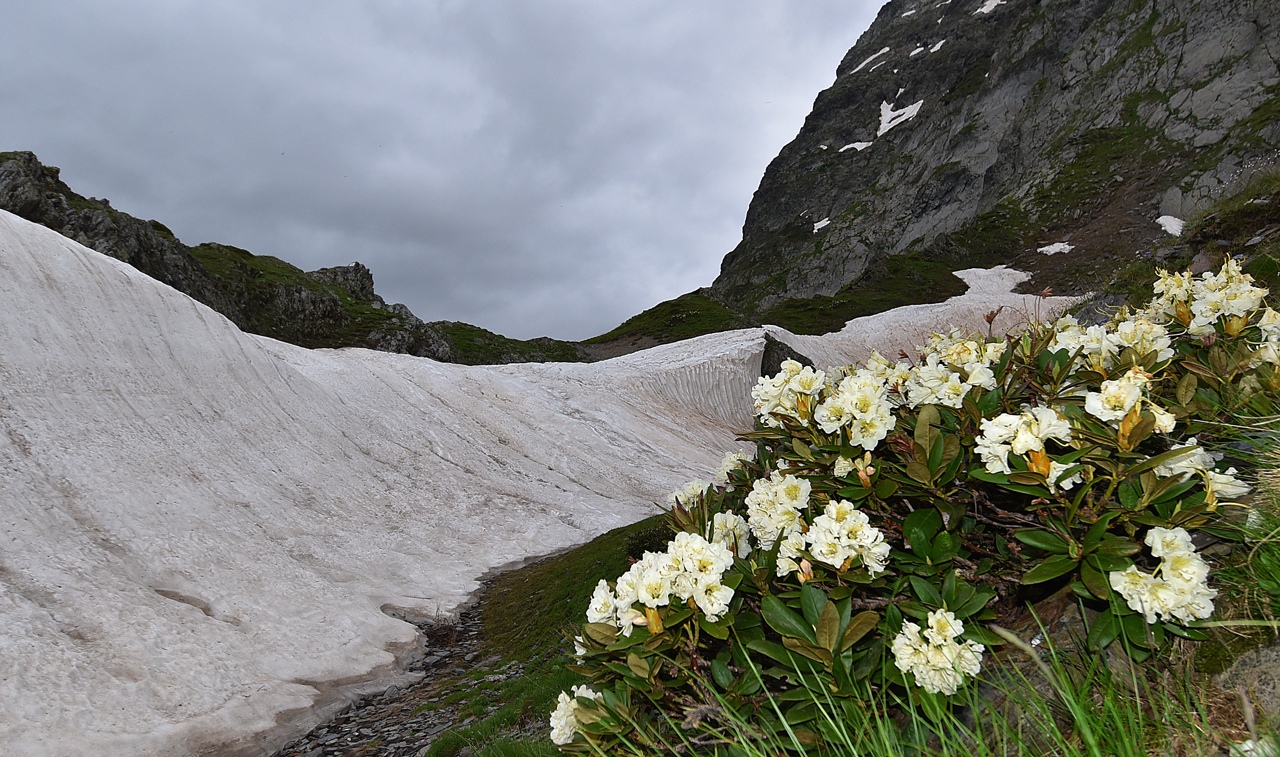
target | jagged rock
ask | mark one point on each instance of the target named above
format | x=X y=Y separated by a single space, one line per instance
x=35 y=192
x=775 y=353
x=355 y=278
x=1036 y=121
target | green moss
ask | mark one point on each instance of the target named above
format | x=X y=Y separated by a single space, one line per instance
x=162 y=230
x=527 y=612
x=685 y=317
x=476 y=346
x=896 y=281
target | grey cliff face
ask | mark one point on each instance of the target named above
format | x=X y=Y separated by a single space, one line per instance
x=1042 y=115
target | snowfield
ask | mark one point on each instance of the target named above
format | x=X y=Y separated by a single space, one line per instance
x=207 y=533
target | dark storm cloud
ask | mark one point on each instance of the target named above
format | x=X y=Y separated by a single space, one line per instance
x=534 y=168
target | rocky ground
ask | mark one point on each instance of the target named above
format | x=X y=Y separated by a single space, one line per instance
x=403 y=722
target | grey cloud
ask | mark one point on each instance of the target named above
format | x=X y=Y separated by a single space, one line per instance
x=534 y=168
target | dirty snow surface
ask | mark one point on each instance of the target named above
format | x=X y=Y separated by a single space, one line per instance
x=207 y=533
x=1055 y=248
x=1172 y=225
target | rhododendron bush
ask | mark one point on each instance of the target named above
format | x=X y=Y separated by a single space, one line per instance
x=892 y=511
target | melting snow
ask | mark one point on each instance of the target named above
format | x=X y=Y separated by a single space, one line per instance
x=820 y=225
x=916 y=52
x=203 y=528
x=868 y=60
x=1171 y=225
x=937 y=47
x=859 y=146
x=1055 y=248
x=900 y=91
x=890 y=118
x=989 y=6
x=878 y=65
x=908 y=13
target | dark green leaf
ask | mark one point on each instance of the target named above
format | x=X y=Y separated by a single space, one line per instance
x=783 y=620
x=919 y=472
x=1094 y=581
x=807 y=649
x=1043 y=540
x=926 y=591
x=718 y=630
x=775 y=651
x=812 y=601
x=721 y=675
x=1049 y=569
x=1104 y=630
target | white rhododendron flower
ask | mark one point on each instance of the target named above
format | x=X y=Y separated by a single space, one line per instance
x=774 y=505
x=731 y=462
x=1177 y=590
x=690 y=569
x=789 y=554
x=860 y=404
x=732 y=530
x=564 y=720
x=843 y=533
x=688 y=494
x=1118 y=396
x=934 y=383
x=1197 y=461
x=1056 y=480
x=1019 y=434
x=1143 y=336
x=602 y=608
x=1225 y=484
x=938 y=661
x=842 y=467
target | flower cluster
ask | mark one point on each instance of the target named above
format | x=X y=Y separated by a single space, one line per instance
x=731 y=462
x=1180 y=590
x=1116 y=398
x=842 y=534
x=860 y=404
x=792 y=392
x=1197 y=461
x=938 y=661
x=952 y=364
x=686 y=495
x=690 y=570
x=1099 y=346
x=774 y=505
x=731 y=530
x=564 y=719
x=1025 y=434
x=1199 y=303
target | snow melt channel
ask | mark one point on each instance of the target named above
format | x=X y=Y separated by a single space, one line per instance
x=204 y=530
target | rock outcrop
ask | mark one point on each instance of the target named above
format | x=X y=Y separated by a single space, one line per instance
x=330 y=307
x=975 y=131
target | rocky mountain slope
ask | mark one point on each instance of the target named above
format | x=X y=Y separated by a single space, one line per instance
x=968 y=132
x=331 y=307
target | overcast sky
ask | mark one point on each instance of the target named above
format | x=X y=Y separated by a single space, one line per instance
x=536 y=168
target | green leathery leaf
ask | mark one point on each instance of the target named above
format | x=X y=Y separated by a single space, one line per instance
x=1049 y=569
x=784 y=620
x=1046 y=541
x=812 y=602
x=827 y=630
x=860 y=625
